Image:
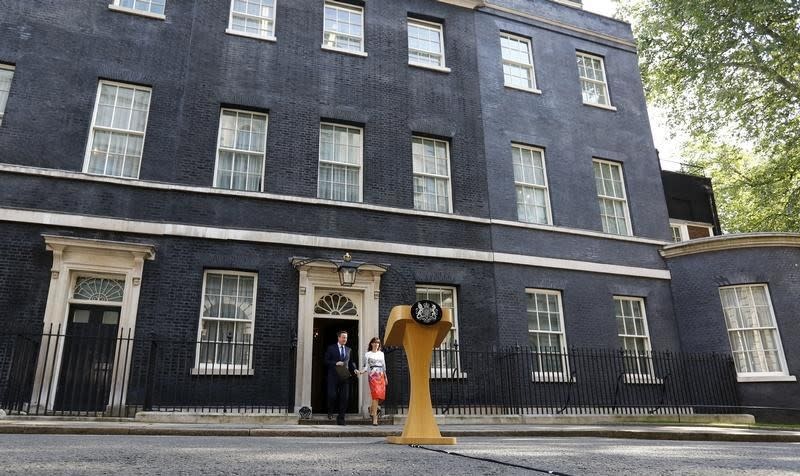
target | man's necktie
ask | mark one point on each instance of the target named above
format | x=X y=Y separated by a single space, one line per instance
x=341 y=352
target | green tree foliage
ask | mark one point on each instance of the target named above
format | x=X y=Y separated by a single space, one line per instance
x=728 y=72
x=745 y=186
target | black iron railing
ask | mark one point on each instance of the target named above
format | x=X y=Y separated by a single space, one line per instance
x=62 y=373
x=58 y=373
x=528 y=381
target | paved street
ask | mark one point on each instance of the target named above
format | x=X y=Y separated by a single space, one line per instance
x=76 y=454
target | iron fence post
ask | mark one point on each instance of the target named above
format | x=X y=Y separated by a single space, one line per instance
x=291 y=387
x=150 y=379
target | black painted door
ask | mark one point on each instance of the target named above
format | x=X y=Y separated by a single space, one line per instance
x=325 y=330
x=87 y=361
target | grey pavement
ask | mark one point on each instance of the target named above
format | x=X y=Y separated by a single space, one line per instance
x=124 y=454
x=31 y=425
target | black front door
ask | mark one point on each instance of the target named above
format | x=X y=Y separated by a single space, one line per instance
x=325 y=330
x=87 y=362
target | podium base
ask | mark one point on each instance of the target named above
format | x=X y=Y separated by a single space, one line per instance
x=411 y=440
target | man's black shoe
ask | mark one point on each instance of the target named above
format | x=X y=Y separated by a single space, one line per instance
x=330 y=416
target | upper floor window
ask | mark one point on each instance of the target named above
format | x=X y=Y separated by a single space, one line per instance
x=425 y=43
x=241 y=149
x=752 y=330
x=118 y=128
x=344 y=27
x=611 y=195
x=6 y=74
x=677 y=234
x=689 y=231
x=634 y=336
x=517 y=62
x=546 y=334
x=253 y=18
x=446 y=361
x=593 y=80
x=225 y=334
x=340 y=159
x=154 y=7
x=530 y=179
x=431 y=160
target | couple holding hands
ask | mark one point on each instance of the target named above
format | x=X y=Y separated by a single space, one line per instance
x=339 y=363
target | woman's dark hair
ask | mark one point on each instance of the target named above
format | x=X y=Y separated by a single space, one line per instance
x=374 y=339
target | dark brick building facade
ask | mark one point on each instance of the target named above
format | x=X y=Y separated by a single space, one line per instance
x=448 y=147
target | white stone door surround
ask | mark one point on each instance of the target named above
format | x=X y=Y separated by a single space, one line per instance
x=320 y=275
x=73 y=257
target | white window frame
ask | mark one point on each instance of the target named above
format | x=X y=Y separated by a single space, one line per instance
x=783 y=374
x=545 y=187
x=438 y=371
x=243 y=151
x=360 y=164
x=416 y=173
x=679 y=234
x=4 y=103
x=117 y=5
x=623 y=200
x=682 y=227
x=432 y=26
x=639 y=377
x=564 y=375
x=94 y=127
x=268 y=36
x=202 y=368
x=528 y=66
x=603 y=83
x=349 y=8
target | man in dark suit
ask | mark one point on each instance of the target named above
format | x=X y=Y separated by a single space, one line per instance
x=338 y=355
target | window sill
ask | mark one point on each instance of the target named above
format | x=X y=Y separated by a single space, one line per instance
x=600 y=106
x=422 y=210
x=550 y=378
x=527 y=90
x=440 y=69
x=222 y=371
x=121 y=177
x=332 y=201
x=236 y=190
x=635 y=379
x=362 y=54
x=535 y=224
x=132 y=11
x=447 y=374
x=248 y=35
x=765 y=378
x=619 y=234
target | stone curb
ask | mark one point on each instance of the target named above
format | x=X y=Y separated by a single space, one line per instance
x=644 y=434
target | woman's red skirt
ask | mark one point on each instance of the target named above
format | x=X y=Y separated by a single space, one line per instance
x=377 y=385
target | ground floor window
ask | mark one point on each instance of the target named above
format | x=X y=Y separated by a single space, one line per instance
x=546 y=334
x=446 y=361
x=225 y=336
x=634 y=335
x=753 y=334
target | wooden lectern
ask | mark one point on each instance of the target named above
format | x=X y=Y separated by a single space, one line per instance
x=419 y=334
